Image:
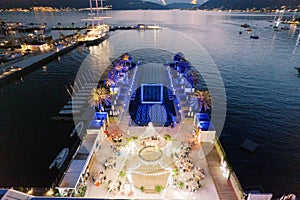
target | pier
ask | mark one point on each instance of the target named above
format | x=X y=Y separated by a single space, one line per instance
x=108 y=128
x=29 y=29
x=28 y=63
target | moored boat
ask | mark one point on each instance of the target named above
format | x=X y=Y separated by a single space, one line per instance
x=60 y=159
x=245 y=25
x=77 y=130
x=153 y=27
x=96 y=35
x=98 y=32
x=254 y=37
x=143 y=26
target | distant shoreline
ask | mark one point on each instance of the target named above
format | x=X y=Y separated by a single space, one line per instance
x=45 y=9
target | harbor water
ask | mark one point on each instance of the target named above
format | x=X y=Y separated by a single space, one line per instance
x=262 y=92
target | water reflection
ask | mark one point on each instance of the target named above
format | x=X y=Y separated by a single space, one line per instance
x=44 y=69
x=296 y=44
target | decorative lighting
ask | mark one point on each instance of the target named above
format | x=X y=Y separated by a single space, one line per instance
x=50 y=192
x=224 y=169
x=30 y=191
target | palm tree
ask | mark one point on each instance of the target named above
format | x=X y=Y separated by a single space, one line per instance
x=192 y=77
x=98 y=97
x=111 y=79
x=204 y=99
x=126 y=56
x=118 y=68
x=110 y=82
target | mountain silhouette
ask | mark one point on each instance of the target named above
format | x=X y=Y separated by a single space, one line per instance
x=244 y=4
x=116 y=4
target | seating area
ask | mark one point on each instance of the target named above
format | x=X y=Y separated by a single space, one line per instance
x=144 y=161
x=160 y=115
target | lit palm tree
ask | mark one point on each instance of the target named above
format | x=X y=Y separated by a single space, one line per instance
x=98 y=97
x=111 y=79
x=119 y=67
x=204 y=99
x=110 y=82
x=126 y=56
x=192 y=77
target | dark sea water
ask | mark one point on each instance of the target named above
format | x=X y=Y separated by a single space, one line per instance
x=261 y=84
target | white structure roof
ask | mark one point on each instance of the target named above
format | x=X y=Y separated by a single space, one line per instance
x=72 y=176
x=79 y=163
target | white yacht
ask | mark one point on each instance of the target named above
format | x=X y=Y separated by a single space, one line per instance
x=98 y=31
x=153 y=26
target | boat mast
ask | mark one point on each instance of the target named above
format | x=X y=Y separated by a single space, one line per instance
x=102 y=9
x=92 y=13
x=294 y=15
x=97 y=8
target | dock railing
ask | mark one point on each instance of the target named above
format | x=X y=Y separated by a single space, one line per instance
x=232 y=176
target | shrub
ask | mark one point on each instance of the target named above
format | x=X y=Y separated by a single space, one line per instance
x=158 y=188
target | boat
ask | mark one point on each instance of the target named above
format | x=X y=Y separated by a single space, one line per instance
x=143 y=26
x=60 y=159
x=294 y=21
x=278 y=19
x=96 y=35
x=78 y=129
x=245 y=25
x=98 y=32
x=140 y=26
x=254 y=37
x=153 y=27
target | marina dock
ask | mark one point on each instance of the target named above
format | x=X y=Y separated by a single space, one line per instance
x=78 y=28
x=30 y=62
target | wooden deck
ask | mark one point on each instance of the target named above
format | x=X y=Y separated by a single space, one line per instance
x=223 y=186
